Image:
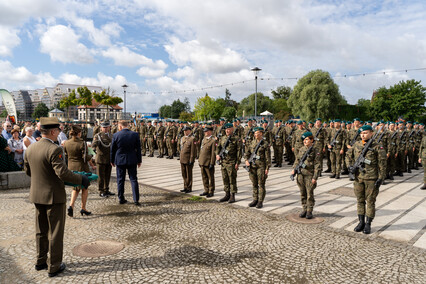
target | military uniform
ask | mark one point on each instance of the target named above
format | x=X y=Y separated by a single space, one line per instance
x=311 y=170
x=257 y=170
x=159 y=136
x=365 y=187
x=206 y=161
x=149 y=136
x=248 y=136
x=278 y=142
x=44 y=163
x=411 y=148
x=102 y=145
x=392 y=150
x=289 y=131
x=401 y=159
x=338 y=135
x=187 y=157
x=349 y=156
x=170 y=137
x=231 y=157
x=142 y=132
x=319 y=145
x=296 y=143
x=422 y=154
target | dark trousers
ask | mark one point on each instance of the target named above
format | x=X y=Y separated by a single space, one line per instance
x=121 y=176
x=50 y=225
x=208 y=178
x=104 y=174
x=187 y=175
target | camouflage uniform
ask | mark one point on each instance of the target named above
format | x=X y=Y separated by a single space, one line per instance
x=232 y=157
x=278 y=138
x=392 y=150
x=411 y=145
x=257 y=170
x=159 y=134
x=170 y=137
x=364 y=184
x=149 y=136
x=311 y=171
x=422 y=154
x=297 y=142
x=401 y=159
x=320 y=143
x=142 y=132
x=335 y=156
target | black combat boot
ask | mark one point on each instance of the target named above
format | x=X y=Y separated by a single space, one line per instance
x=361 y=223
x=327 y=170
x=232 y=198
x=337 y=176
x=409 y=171
x=423 y=187
x=309 y=215
x=259 y=204
x=253 y=203
x=367 y=228
x=344 y=172
x=333 y=175
x=302 y=214
x=391 y=177
x=225 y=198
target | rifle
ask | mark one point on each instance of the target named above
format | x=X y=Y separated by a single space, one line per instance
x=246 y=137
x=359 y=163
x=381 y=136
x=291 y=134
x=355 y=138
x=411 y=134
x=402 y=136
x=301 y=165
x=278 y=131
x=223 y=151
x=334 y=139
x=253 y=156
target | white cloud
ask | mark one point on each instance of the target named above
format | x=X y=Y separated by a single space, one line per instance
x=62 y=44
x=207 y=56
x=18 y=11
x=149 y=72
x=20 y=76
x=9 y=40
x=123 y=56
x=100 y=37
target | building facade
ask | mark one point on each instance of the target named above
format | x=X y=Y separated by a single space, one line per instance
x=98 y=111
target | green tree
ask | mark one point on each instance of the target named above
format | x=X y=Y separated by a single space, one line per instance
x=165 y=111
x=85 y=98
x=177 y=107
x=316 y=95
x=408 y=100
x=185 y=116
x=107 y=98
x=208 y=108
x=41 y=110
x=246 y=106
x=282 y=92
x=68 y=101
x=380 y=107
x=4 y=113
x=229 y=113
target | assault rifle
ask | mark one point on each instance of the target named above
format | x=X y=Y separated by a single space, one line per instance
x=246 y=137
x=278 y=131
x=253 y=156
x=381 y=135
x=359 y=163
x=301 y=165
x=334 y=139
x=290 y=136
x=223 y=151
x=355 y=138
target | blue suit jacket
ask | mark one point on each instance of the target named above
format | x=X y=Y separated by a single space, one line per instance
x=126 y=148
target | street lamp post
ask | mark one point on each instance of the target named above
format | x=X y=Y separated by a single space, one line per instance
x=124 y=87
x=256 y=71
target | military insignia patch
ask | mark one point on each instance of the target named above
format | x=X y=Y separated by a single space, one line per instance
x=60 y=157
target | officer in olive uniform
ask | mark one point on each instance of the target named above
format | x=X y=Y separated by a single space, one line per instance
x=308 y=176
x=44 y=163
x=367 y=183
x=159 y=136
x=260 y=153
x=335 y=146
x=422 y=159
x=142 y=132
x=207 y=161
x=188 y=152
x=170 y=137
x=149 y=137
x=102 y=146
x=267 y=136
x=228 y=154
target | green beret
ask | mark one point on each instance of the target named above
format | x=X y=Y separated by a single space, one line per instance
x=357 y=119
x=369 y=121
x=227 y=125
x=348 y=122
x=391 y=122
x=222 y=119
x=235 y=120
x=366 y=127
x=409 y=122
x=310 y=122
x=337 y=120
x=258 y=129
x=276 y=121
x=299 y=122
x=318 y=119
x=306 y=135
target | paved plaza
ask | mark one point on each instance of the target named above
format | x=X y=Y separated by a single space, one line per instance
x=172 y=239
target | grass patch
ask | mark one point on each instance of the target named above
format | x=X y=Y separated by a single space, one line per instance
x=196 y=198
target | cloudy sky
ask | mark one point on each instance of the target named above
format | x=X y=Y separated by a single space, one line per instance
x=163 y=48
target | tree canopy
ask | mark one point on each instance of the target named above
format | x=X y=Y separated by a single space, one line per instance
x=316 y=95
x=246 y=106
x=41 y=110
x=175 y=109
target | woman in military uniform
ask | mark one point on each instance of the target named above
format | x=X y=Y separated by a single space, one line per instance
x=308 y=176
x=258 y=161
x=78 y=159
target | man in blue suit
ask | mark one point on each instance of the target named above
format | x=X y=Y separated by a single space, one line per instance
x=126 y=155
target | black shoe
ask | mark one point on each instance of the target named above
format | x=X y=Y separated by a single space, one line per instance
x=327 y=171
x=188 y=191
x=309 y=215
x=290 y=163
x=168 y=157
x=159 y=156
x=344 y=173
x=320 y=174
x=84 y=212
x=70 y=211
x=152 y=155
x=259 y=204
x=337 y=176
x=232 y=198
x=104 y=194
x=253 y=203
x=416 y=168
x=400 y=174
x=183 y=190
x=276 y=166
x=178 y=158
x=367 y=228
x=424 y=186
x=124 y=201
x=143 y=155
x=409 y=171
x=210 y=195
x=137 y=203
x=361 y=223
x=351 y=179
x=110 y=193
x=333 y=176
x=61 y=269
x=204 y=193
x=39 y=267
x=225 y=198
x=171 y=157
x=302 y=214
x=391 y=177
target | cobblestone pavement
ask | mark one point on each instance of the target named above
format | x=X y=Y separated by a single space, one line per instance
x=401 y=205
x=171 y=239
